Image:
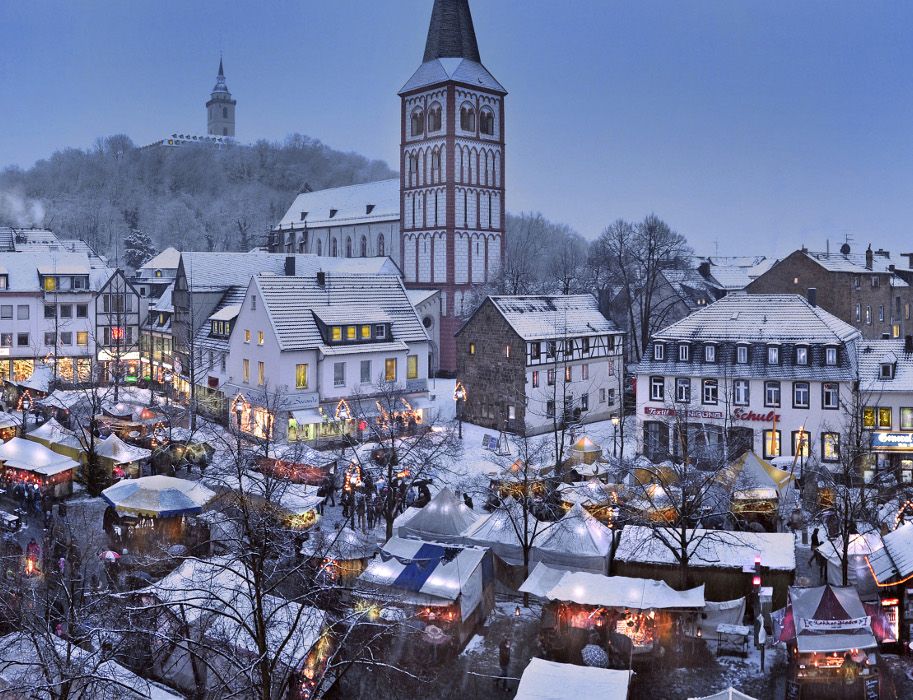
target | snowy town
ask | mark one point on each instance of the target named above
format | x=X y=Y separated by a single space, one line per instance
x=282 y=422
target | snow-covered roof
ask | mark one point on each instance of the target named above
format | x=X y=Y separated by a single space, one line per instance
x=850 y=262
x=158 y=496
x=553 y=316
x=226 y=313
x=353 y=296
x=120 y=452
x=165 y=302
x=499 y=532
x=295 y=499
x=368 y=202
x=445 y=518
x=551 y=680
x=761 y=318
x=39 y=380
x=895 y=561
x=419 y=296
x=219 y=593
x=729 y=693
x=19 y=453
x=872 y=354
x=168 y=259
x=461 y=70
x=587 y=588
x=691 y=287
x=542 y=579
x=751 y=472
x=54 y=433
x=709 y=548
x=577 y=534
x=344 y=544
x=829 y=603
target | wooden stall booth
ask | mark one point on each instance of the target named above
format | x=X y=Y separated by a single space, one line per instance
x=31 y=464
x=338 y=555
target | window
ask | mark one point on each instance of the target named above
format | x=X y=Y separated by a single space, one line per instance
x=772 y=394
x=380 y=331
x=50 y=338
x=659 y=351
x=366 y=371
x=339 y=374
x=683 y=390
x=710 y=391
x=6 y=340
x=550 y=409
x=535 y=350
x=550 y=348
x=881 y=313
x=683 y=352
x=740 y=392
x=875 y=281
x=584 y=402
x=585 y=345
x=857 y=281
x=82 y=338
x=50 y=284
x=351 y=333
x=380 y=246
x=868 y=315
x=487 y=121
x=301 y=376
x=858 y=313
x=800 y=394
x=868 y=417
x=66 y=338
x=246 y=335
x=568 y=375
x=906 y=418
x=434 y=117
x=602 y=396
x=657 y=388
x=884 y=416
x=535 y=379
x=418 y=122
x=467 y=117
x=412 y=366
x=773 y=355
x=223 y=360
x=887 y=370
x=801 y=443
x=710 y=353
x=771 y=443
x=245 y=370
x=22 y=339
x=261 y=373
x=82 y=311
x=50 y=311
x=363 y=247
x=895 y=330
x=584 y=372
x=550 y=378
x=6 y=311
x=507 y=351
x=66 y=311
x=365 y=332
x=830 y=447
x=390 y=369
x=253 y=302
x=801 y=355
x=259 y=337
x=611 y=396
x=741 y=354
x=830 y=356
x=568 y=347
x=472 y=348
x=348 y=247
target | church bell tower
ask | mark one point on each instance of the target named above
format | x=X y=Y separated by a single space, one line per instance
x=220 y=109
x=451 y=170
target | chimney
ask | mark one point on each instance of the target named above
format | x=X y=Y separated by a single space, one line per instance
x=321 y=279
x=908 y=344
x=704 y=269
x=812 y=296
x=882 y=253
x=289 y=265
x=868 y=257
x=909 y=257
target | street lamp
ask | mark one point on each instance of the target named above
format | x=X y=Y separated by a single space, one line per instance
x=459 y=395
x=615 y=421
x=26 y=404
x=238 y=407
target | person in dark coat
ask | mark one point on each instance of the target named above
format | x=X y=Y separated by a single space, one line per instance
x=467 y=499
x=504 y=662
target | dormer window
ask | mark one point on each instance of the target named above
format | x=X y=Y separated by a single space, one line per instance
x=773 y=354
x=830 y=356
x=380 y=331
x=659 y=351
x=887 y=370
x=157 y=273
x=369 y=208
x=304 y=215
x=333 y=212
x=741 y=354
x=684 y=352
x=801 y=355
x=710 y=353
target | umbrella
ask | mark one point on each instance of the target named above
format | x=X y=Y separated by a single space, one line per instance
x=595 y=656
x=435 y=635
x=109 y=555
x=158 y=496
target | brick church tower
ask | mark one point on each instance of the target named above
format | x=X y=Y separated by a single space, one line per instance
x=451 y=170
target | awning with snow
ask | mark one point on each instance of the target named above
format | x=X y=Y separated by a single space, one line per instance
x=585 y=588
x=445 y=518
x=26 y=455
x=551 y=680
x=158 y=496
x=827 y=619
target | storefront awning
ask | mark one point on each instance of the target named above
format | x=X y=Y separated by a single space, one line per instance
x=307 y=416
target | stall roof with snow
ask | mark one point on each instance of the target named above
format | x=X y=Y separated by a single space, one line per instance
x=585 y=588
x=827 y=619
x=158 y=496
x=750 y=473
x=53 y=433
x=294 y=499
x=578 y=541
x=894 y=562
x=120 y=452
x=26 y=455
x=344 y=544
x=499 y=531
x=550 y=680
x=445 y=518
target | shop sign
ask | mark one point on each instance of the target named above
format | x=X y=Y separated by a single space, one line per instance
x=742 y=414
x=671 y=412
x=855 y=623
x=900 y=442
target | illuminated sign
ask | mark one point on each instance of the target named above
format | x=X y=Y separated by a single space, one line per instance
x=691 y=413
x=892 y=442
x=742 y=414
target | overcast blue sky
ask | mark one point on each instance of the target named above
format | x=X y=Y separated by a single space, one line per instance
x=749 y=126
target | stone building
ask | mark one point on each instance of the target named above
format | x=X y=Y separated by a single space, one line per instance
x=864 y=290
x=220 y=109
x=527 y=362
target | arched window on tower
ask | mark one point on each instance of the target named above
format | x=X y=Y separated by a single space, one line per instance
x=467 y=117
x=348 y=247
x=380 y=245
x=435 y=166
x=418 y=122
x=364 y=247
x=434 y=117
x=334 y=251
x=487 y=121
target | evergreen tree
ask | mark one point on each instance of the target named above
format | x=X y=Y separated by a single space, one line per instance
x=138 y=249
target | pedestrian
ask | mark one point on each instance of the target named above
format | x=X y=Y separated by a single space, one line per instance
x=321 y=494
x=467 y=499
x=331 y=489
x=410 y=497
x=360 y=507
x=504 y=662
x=379 y=508
x=816 y=542
x=371 y=507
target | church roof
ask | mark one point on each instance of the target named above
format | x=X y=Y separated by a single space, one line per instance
x=461 y=70
x=450 y=33
x=368 y=202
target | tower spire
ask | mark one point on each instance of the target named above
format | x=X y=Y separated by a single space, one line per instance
x=221 y=72
x=450 y=33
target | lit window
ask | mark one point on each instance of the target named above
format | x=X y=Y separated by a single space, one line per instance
x=365 y=332
x=412 y=366
x=82 y=338
x=830 y=447
x=507 y=351
x=771 y=443
x=259 y=337
x=801 y=443
x=301 y=376
x=50 y=284
x=336 y=333
x=245 y=370
x=390 y=369
x=472 y=348
x=351 y=333
x=568 y=374
x=868 y=417
x=535 y=379
x=884 y=416
x=246 y=335
x=261 y=374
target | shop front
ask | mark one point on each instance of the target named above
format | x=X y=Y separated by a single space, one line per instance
x=894 y=452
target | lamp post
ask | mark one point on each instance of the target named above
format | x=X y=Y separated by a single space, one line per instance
x=459 y=395
x=615 y=420
x=26 y=407
x=239 y=415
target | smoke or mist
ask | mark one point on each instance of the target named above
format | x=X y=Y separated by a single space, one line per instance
x=18 y=210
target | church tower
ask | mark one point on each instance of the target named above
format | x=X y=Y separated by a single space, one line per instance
x=220 y=110
x=451 y=170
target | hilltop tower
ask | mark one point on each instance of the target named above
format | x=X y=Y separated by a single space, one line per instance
x=451 y=170
x=220 y=109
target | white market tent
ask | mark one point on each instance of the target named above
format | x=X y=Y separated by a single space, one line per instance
x=499 y=532
x=585 y=588
x=750 y=473
x=577 y=542
x=294 y=499
x=344 y=544
x=158 y=496
x=120 y=452
x=729 y=694
x=862 y=545
x=34 y=457
x=53 y=433
x=829 y=605
x=541 y=580
x=550 y=680
x=444 y=519
x=39 y=380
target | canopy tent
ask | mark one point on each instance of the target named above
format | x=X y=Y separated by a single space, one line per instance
x=445 y=518
x=725 y=612
x=39 y=380
x=431 y=574
x=585 y=588
x=750 y=472
x=894 y=562
x=55 y=437
x=120 y=452
x=550 y=680
x=344 y=544
x=541 y=580
x=26 y=455
x=158 y=496
x=729 y=694
x=585 y=450
x=861 y=545
x=499 y=531
x=827 y=619
x=577 y=542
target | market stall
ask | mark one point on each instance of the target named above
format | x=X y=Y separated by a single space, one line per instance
x=548 y=680
x=294 y=504
x=831 y=644
x=576 y=542
x=443 y=585
x=891 y=571
x=298 y=463
x=599 y=499
x=585 y=451
x=9 y=425
x=758 y=490
x=31 y=464
x=861 y=545
x=340 y=554
x=154 y=509
x=123 y=459
x=55 y=437
x=585 y=607
x=444 y=519
x=519 y=480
